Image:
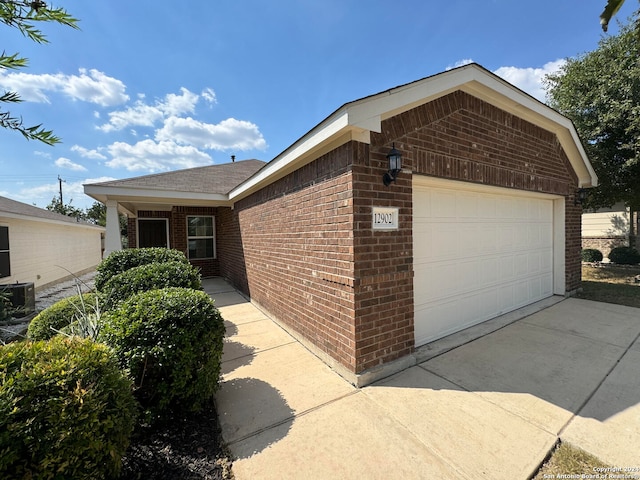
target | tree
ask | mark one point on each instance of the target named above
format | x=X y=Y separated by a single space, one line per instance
x=600 y=92
x=57 y=206
x=97 y=214
x=24 y=15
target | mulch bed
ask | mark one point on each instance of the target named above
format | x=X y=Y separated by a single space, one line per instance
x=181 y=447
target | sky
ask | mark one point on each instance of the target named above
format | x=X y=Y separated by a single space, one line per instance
x=148 y=87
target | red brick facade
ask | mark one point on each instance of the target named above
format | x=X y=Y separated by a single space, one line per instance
x=303 y=247
x=178 y=233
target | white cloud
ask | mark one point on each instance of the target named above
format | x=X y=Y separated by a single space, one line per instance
x=155 y=156
x=94 y=86
x=460 y=63
x=179 y=104
x=140 y=115
x=68 y=164
x=144 y=115
x=530 y=79
x=209 y=96
x=230 y=134
x=86 y=153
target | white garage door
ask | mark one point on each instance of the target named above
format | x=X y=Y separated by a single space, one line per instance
x=478 y=253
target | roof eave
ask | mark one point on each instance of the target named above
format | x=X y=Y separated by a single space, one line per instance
x=102 y=193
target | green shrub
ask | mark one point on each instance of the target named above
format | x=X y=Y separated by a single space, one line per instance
x=591 y=255
x=149 y=277
x=66 y=410
x=170 y=342
x=122 y=260
x=62 y=313
x=624 y=256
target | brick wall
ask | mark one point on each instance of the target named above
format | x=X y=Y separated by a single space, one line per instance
x=304 y=248
x=383 y=261
x=297 y=247
x=461 y=137
x=178 y=233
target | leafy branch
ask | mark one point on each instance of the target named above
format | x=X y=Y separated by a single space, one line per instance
x=24 y=15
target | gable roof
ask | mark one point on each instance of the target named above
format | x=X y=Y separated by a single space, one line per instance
x=355 y=120
x=14 y=209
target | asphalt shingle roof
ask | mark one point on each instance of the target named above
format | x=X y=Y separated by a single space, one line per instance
x=215 y=179
x=18 y=208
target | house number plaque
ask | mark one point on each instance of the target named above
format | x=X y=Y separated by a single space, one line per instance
x=385 y=218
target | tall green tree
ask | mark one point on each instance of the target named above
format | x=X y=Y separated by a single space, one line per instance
x=600 y=92
x=25 y=15
x=67 y=209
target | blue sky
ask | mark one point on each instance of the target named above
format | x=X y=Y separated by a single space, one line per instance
x=148 y=87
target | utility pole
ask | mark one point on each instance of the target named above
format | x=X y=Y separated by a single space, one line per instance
x=60 y=183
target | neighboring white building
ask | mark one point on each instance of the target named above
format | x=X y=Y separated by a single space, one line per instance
x=609 y=227
x=44 y=247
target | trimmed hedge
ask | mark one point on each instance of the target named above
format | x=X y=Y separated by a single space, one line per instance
x=66 y=410
x=624 y=256
x=149 y=277
x=122 y=260
x=591 y=255
x=61 y=314
x=170 y=342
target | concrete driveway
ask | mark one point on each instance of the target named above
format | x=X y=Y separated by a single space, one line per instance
x=492 y=407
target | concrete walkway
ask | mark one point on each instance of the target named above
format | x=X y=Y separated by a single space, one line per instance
x=491 y=408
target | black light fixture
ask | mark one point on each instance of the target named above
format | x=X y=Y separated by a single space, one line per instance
x=580 y=196
x=395 y=165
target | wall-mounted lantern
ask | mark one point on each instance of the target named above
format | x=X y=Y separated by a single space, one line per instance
x=395 y=165
x=580 y=196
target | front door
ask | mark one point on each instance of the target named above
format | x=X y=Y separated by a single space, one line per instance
x=152 y=232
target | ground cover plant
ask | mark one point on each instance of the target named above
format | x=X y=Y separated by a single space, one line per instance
x=122 y=260
x=66 y=410
x=150 y=276
x=166 y=338
x=570 y=461
x=611 y=284
x=169 y=341
x=61 y=314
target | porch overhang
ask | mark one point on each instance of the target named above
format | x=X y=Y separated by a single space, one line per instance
x=132 y=200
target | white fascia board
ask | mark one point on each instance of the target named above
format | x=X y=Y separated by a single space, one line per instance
x=331 y=128
x=369 y=112
x=102 y=192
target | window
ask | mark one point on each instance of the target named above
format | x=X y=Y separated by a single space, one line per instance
x=201 y=237
x=5 y=265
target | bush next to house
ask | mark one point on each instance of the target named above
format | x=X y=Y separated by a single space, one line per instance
x=66 y=410
x=122 y=260
x=170 y=342
x=624 y=256
x=62 y=313
x=148 y=277
x=591 y=255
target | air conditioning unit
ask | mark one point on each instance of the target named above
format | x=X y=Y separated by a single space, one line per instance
x=23 y=297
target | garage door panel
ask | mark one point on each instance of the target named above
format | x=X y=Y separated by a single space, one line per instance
x=477 y=255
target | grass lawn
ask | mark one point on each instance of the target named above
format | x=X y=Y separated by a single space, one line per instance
x=568 y=460
x=610 y=284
